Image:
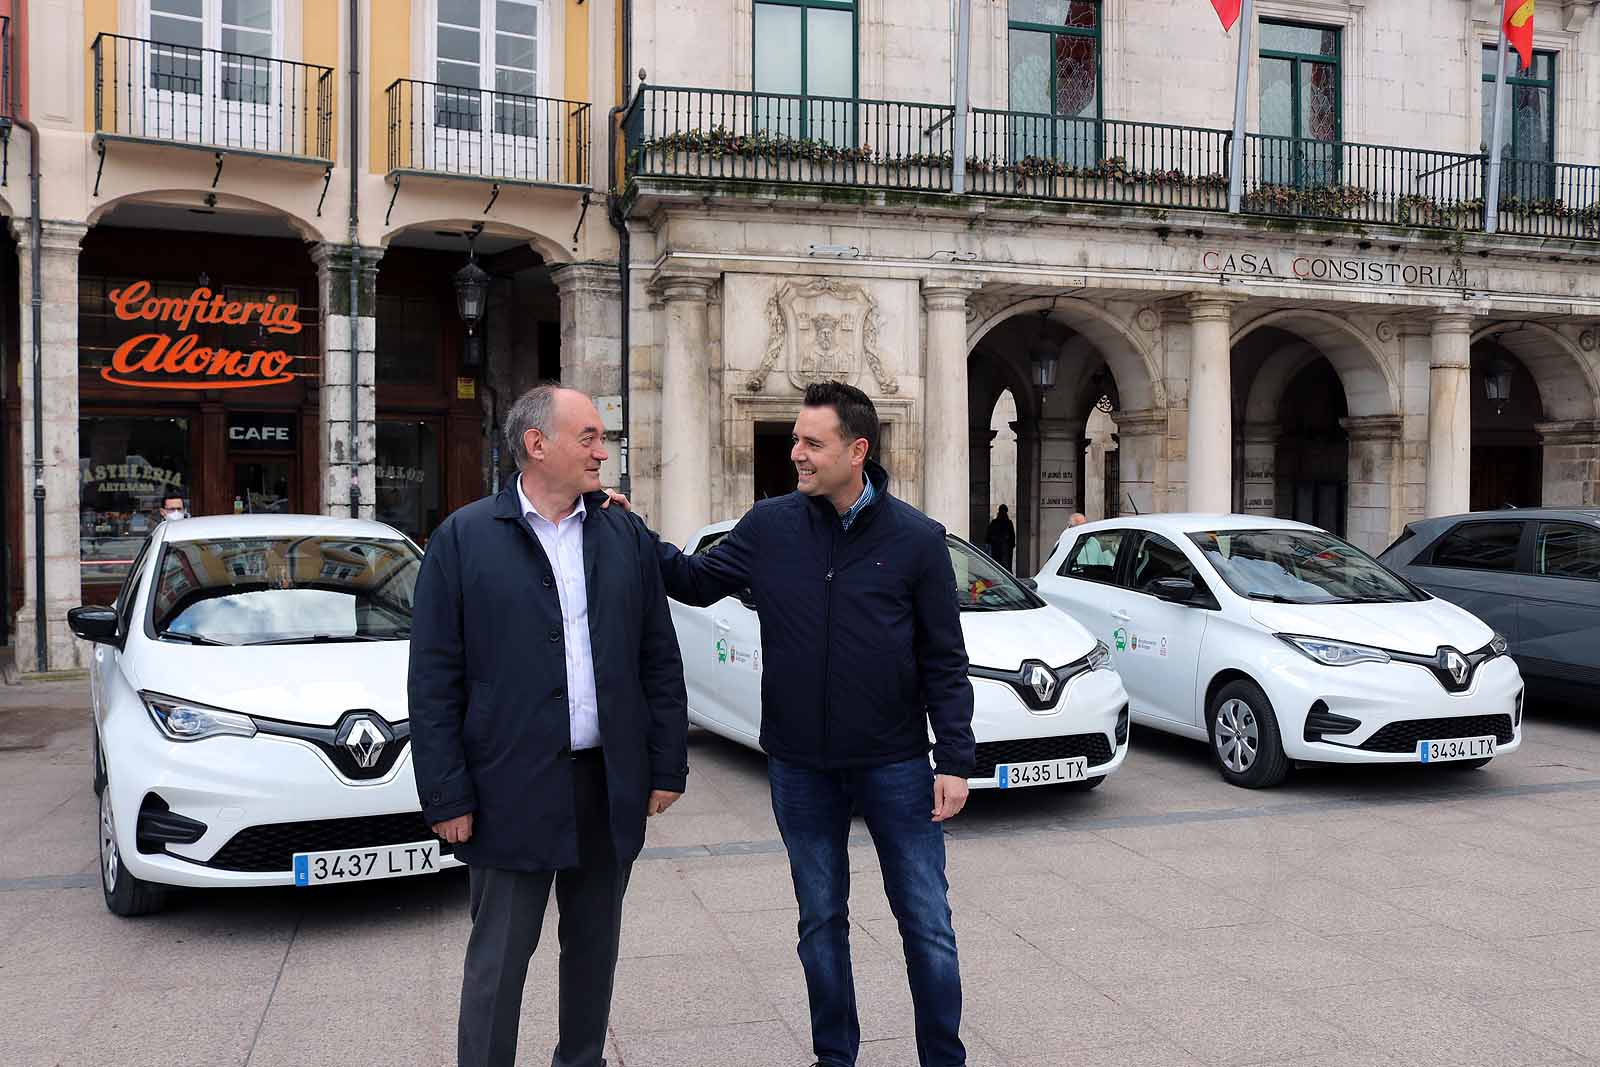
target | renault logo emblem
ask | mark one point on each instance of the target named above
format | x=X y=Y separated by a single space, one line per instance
x=1455 y=664
x=364 y=736
x=1042 y=680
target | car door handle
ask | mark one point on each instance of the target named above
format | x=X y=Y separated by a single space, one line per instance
x=723 y=625
x=1122 y=616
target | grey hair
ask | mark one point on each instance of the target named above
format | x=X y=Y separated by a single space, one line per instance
x=534 y=410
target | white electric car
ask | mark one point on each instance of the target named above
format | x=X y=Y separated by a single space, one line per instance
x=250 y=715
x=1280 y=642
x=1048 y=710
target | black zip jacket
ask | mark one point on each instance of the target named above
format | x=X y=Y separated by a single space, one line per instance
x=860 y=633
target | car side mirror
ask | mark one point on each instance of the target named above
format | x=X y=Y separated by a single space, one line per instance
x=1031 y=583
x=1172 y=590
x=95 y=623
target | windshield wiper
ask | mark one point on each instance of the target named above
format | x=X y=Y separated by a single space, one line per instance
x=323 y=639
x=1275 y=598
x=188 y=639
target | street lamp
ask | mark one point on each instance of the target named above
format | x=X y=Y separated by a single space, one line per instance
x=472 y=290
x=1044 y=356
x=1497 y=384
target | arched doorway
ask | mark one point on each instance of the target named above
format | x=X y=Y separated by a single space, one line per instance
x=1507 y=464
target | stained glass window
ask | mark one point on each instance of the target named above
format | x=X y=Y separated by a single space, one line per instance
x=1528 y=139
x=1055 y=79
x=1300 y=103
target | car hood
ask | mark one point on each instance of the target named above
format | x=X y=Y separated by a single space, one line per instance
x=1003 y=639
x=309 y=684
x=1419 y=627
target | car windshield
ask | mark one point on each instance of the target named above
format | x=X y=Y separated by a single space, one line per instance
x=983 y=585
x=285 y=590
x=1300 y=567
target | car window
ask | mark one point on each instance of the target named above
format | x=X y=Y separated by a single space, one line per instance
x=130 y=588
x=1566 y=550
x=1295 y=566
x=1159 y=558
x=711 y=541
x=1094 y=557
x=984 y=585
x=283 y=590
x=1479 y=546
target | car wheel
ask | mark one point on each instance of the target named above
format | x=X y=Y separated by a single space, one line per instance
x=1085 y=784
x=1244 y=737
x=125 y=895
x=1469 y=764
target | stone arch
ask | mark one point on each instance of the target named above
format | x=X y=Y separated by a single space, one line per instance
x=304 y=228
x=1569 y=383
x=549 y=249
x=1129 y=357
x=1370 y=384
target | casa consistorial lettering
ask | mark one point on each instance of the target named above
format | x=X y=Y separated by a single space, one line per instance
x=1351 y=270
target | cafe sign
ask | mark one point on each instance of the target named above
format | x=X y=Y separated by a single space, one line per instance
x=171 y=356
x=1354 y=270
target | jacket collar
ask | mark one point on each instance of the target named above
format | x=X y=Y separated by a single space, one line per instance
x=508 y=502
x=880 y=492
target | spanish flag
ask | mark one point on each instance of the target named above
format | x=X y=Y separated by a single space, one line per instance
x=1518 y=26
x=1228 y=11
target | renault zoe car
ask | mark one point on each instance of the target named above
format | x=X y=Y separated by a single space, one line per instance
x=250 y=716
x=1278 y=642
x=1047 y=707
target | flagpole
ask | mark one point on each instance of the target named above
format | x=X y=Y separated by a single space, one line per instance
x=1241 y=92
x=1491 y=206
x=958 y=148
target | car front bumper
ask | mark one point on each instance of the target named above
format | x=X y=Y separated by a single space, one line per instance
x=1083 y=722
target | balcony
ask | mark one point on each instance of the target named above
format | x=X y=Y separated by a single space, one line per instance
x=675 y=134
x=221 y=102
x=505 y=138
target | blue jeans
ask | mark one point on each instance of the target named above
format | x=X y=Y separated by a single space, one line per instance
x=813 y=809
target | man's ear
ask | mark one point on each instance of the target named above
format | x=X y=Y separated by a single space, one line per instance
x=858 y=451
x=533 y=443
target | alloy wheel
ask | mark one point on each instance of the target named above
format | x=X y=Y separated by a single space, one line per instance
x=109 y=859
x=1238 y=735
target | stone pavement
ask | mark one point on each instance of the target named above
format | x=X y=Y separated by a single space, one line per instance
x=1403 y=916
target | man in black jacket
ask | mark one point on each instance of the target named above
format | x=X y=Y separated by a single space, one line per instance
x=548 y=718
x=862 y=646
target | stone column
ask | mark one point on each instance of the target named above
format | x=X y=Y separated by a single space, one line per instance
x=946 y=466
x=347 y=330
x=1260 y=474
x=1210 y=452
x=1450 y=416
x=1031 y=549
x=1571 y=463
x=686 y=409
x=55 y=486
x=1142 y=448
x=1372 y=495
x=1060 y=445
x=591 y=345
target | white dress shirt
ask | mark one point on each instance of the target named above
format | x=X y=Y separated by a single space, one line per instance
x=563 y=545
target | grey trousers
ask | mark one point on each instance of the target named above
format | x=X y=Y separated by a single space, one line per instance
x=507 y=916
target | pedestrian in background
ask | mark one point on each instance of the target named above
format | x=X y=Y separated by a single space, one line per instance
x=863 y=653
x=1002 y=537
x=548 y=719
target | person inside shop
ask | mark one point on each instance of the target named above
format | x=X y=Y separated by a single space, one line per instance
x=172 y=508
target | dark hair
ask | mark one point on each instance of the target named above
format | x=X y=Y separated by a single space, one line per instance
x=857 y=416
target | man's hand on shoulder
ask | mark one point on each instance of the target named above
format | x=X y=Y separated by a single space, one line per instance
x=614 y=497
x=660 y=801
x=949 y=796
x=456 y=830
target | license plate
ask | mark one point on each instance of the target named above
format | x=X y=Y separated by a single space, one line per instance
x=1042 y=772
x=364 y=864
x=1456 y=748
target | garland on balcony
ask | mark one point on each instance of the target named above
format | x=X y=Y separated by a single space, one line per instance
x=1323 y=200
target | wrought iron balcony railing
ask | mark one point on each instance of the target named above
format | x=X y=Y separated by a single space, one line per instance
x=725 y=135
x=148 y=90
x=479 y=133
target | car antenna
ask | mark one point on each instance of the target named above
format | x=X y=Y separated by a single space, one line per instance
x=1132 y=505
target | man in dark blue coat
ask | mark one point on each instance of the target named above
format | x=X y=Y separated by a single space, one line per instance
x=863 y=653
x=548 y=719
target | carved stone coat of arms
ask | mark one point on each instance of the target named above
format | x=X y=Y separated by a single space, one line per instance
x=823 y=330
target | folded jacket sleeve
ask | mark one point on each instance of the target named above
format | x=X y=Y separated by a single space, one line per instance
x=436 y=684
x=941 y=652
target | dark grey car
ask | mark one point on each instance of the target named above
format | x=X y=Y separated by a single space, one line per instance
x=1533 y=575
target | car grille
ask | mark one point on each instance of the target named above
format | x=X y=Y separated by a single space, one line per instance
x=1403 y=736
x=271 y=846
x=1096 y=748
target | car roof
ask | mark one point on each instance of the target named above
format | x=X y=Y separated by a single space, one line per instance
x=1591 y=515
x=1179 y=523
x=208 y=527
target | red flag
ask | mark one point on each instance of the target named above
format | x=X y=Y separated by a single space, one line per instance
x=1518 y=25
x=1228 y=11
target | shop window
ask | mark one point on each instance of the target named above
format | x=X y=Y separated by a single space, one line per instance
x=411 y=335
x=1528 y=138
x=409 y=490
x=1054 y=48
x=127 y=466
x=1300 y=104
x=804 y=67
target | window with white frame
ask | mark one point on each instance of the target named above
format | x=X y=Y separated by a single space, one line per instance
x=487 y=62
x=240 y=32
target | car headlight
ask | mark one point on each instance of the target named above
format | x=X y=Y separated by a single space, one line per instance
x=184 y=720
x=1100 y=658
x=1498 y=645
x=1335 y=653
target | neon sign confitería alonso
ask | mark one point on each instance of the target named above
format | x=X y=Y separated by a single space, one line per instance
x=161 y=361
